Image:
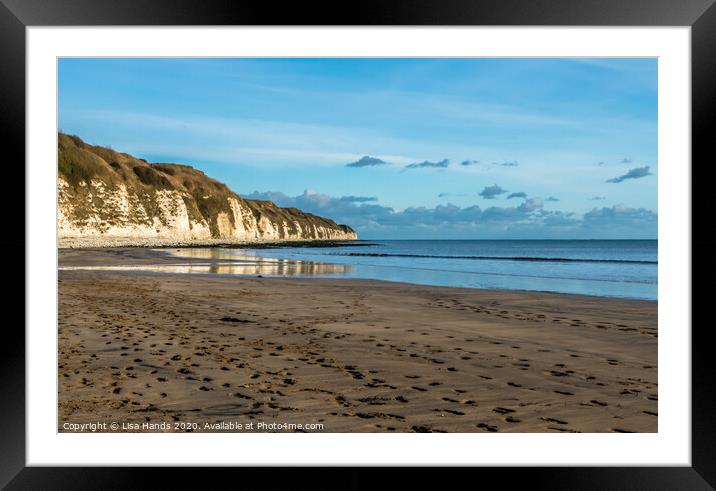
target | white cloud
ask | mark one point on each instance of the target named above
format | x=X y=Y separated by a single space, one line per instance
x=529 y=219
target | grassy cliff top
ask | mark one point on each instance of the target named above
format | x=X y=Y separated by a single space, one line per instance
x=79 y=163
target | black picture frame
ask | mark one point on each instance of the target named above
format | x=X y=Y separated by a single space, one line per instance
x=16 y=15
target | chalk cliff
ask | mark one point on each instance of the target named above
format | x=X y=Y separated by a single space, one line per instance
x=108 y=198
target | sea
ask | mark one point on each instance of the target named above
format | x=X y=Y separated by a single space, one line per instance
x=607 y=268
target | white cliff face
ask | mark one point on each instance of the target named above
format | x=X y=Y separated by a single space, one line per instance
x=113 y=213
x=95 y=214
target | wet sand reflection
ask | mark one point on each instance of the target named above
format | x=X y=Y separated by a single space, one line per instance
x=221 y=261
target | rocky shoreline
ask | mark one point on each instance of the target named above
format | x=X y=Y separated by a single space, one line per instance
x=156 y=242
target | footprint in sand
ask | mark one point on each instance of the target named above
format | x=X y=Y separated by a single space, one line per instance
x=452 y=411
x=421 y=429
x=553 y=420
x=557 y=373
x=503 y=410
x=487 y=427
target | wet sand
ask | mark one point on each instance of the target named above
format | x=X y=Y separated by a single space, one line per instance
x=353 y=355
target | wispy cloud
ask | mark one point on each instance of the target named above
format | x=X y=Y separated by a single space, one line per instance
x=421 y=165
x=492 y=192
x=451 y=195
x=520 y=194
x=241 y=140
x=367 y=161
x=489 y=113
x=358 y=199
x=531 y=204
x=636 y=173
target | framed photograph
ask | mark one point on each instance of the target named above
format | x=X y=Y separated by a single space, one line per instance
x=455 y=235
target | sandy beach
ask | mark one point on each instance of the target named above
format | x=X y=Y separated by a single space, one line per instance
x=351 y=355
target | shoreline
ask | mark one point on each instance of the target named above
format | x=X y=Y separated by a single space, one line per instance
x=96 y=258
x=148 y=272
x=66 y=243
x=353 y=355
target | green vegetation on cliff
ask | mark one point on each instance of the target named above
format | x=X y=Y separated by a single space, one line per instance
x=205 y=198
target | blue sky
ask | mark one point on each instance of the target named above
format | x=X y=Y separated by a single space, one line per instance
x=440 y=148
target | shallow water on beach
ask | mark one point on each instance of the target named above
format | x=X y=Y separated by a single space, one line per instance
x=610 y=268
x=230 y=264
x=621 y=269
